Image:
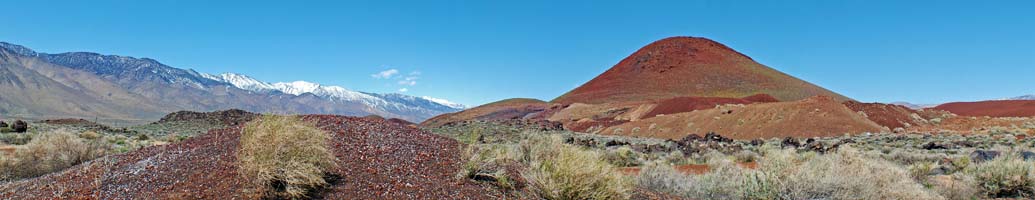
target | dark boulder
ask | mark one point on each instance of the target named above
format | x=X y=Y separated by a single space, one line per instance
x=979 y=156
x=712 y=136
x=790 y=142
x=757 y=142
x=20 y=126
x=616 y=143
x=3 y=124
x=1027 y=155
x=932 y=146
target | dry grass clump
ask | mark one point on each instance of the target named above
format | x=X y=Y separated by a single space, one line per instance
x=784 y=174
x=550 y=168
x=1005 y=176
x=488 y=163
x=283 y=156
x=560 y=171
x=622 y=157
x=662 y=177
x=49 y=152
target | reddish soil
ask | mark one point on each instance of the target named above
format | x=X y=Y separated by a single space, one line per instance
x=1002 y=108
x=689 y=168
x=8 y=149
x=814 y=117
x=687 y=104
x=887 y=115
x=690 y=66
x=501 y=110
x=375 y=160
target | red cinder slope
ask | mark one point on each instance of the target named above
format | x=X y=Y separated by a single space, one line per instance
x=690 y=66
x=375 y=160
x=1002 y=108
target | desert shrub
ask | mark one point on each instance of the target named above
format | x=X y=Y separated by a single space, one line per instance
x=560 y=171
x=662 y=177
x=15 y=138
x=725 y=180
x=622 y=157
x=488 y=163
x=745 y=156
x=920 y=170
x=50 y=152
x=785 y=174
x=848 y=174
x=956 y=186
x=1005 y=176
x=89 y=135
x=283 y=156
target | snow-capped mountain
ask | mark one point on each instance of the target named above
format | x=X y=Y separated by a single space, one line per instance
x=397 y=102
x=1025 y=97
x=92 y=85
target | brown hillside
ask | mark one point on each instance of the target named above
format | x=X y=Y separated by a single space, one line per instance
x=1002 y=108
x=516 y=108
x=812 y=117
x=687 y=104
x=887 y=115
x=690 y=66
x=375 y=160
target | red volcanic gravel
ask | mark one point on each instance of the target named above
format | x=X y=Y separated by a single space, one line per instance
x=375 y=160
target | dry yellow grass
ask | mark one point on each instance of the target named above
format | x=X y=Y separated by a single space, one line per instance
x=49 y=152
x=283 y=156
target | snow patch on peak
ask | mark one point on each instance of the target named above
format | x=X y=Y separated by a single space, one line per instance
x=297 y=87
x=445 y=102
x=241 y=81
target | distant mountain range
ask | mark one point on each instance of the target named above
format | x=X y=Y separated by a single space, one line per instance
x=91 y=85
x=1025 y=97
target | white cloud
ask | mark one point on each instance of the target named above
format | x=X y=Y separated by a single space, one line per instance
x=411 y=81
x=404 y=90
x=385 y=74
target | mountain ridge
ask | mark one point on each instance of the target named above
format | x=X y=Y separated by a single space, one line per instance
x=148 y=89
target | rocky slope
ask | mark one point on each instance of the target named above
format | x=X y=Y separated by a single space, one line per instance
x=111 y=87
x=375 y=160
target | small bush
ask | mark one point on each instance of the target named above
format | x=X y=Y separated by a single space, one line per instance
x=488 y=163
x=560 y=171
x=50 y=152
x=1005 y=176
x=956 y=186
x=661 y=177
x=623 y=157
x=283 y=156
x=920 y=170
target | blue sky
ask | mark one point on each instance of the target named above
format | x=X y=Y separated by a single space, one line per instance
x=477 y=52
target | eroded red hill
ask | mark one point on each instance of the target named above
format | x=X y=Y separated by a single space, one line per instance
x=690 y=66
x=887 y=115
x=1001 y=108
x=516 y=108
